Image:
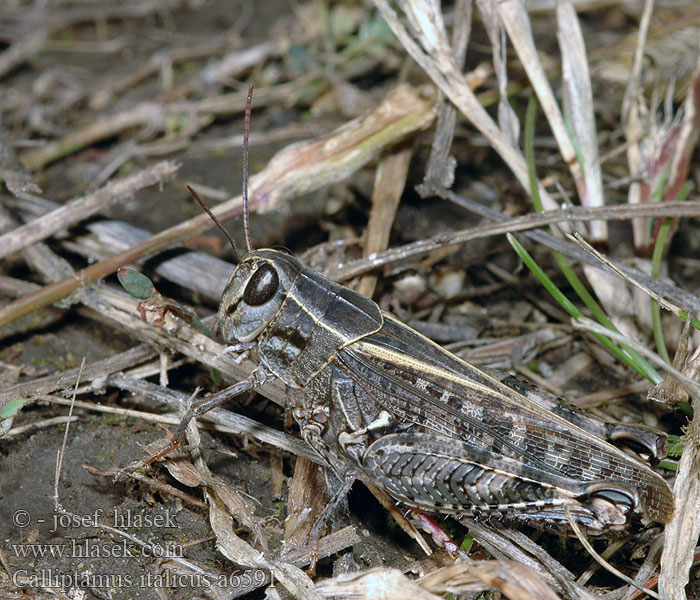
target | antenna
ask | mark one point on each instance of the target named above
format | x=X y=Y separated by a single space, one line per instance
x=246 y=132
x=212 y=216
x=195 y=195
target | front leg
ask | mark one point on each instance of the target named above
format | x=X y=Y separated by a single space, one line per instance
x=258 y=377
x=239 y=351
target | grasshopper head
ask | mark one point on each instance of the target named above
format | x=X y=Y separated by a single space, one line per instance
x=255 y=292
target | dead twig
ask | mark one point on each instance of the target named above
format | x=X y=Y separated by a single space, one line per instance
x=230 y=422
x=298 y=169
x=671 y=292
x=16 y=177
x=389 y=184
x=96 y=372
x=633 y=127
x=531 y=221
x=74 y=212
x=439 y=172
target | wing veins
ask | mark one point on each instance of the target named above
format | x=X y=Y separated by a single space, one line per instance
x=443 y=407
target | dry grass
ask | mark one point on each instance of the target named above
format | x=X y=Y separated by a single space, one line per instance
x=89 y=93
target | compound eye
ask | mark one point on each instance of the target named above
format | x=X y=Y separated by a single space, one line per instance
x=262 y=286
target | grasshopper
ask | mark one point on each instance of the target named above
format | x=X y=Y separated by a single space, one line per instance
x=373 y=396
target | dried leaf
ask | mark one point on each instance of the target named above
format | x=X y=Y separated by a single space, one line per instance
x=517 y=23
x=228 y=543
x=507 y=119
x=578 y=104
x=388 y=584
x=307 y=166
x=513 y=579
x=427 y=49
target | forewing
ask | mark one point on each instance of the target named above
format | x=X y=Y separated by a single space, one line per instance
x=433 y=391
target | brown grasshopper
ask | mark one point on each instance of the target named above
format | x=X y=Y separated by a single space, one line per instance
x=373 y=396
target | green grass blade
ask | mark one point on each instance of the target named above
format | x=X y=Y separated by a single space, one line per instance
x=629 y=356
x=529 y=139
x=642 y=367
